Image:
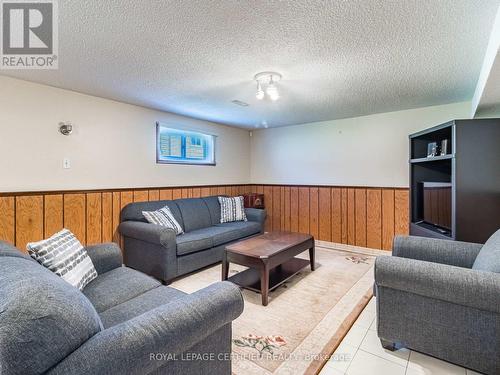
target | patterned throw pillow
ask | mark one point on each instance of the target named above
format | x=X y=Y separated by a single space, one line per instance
x=232 y=209
x=163 y=217
x=64 y=255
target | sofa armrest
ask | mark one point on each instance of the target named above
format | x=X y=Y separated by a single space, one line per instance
x=255 y=214
x=151 y=233
x=170 y=329
x=453 y=253
x=105 y=257
x=472 y=288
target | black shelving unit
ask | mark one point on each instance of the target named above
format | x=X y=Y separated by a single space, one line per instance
x=456 y=195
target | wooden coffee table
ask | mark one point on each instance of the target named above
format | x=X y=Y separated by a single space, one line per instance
x=270 y=258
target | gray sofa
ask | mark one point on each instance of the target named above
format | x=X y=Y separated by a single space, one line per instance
x=124 y=322
x=442 y=298
x=157 y=250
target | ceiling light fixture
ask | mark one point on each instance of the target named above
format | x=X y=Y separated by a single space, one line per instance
x=267 y=79
x=260 y=93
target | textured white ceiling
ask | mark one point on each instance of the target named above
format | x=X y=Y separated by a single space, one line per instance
x=338 y=58
x=490 y=98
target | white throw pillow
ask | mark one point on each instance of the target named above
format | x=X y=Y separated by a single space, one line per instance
x=64 y=255
x=163 y=217
x=232 y=209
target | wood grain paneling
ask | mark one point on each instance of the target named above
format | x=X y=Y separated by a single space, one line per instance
x=205 y=192
x=94 y=218
x=401 y=208
x=286 y=208
x=336 y=215
x=325 y=214
x=343 y=214
x=7 y=219
x=117 y=206
x=141 y=196
x=29 y=220
x=294 y=209
x=154 y=195
x=304 y=209
x=374 y=218
x=176 y=193
x=196 y=193
x=276 y=208
x=352 y=215
x=75 y=217
x=107 y=217
x=165 y=194
x=387 y=218
x=53 y=214
x=314 y=212
x=360 y=217
x=268 y=198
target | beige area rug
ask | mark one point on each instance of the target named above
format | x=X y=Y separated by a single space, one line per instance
x=306 y=317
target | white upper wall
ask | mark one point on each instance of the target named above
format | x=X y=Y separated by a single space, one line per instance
x=113 y=145
x=362 y=151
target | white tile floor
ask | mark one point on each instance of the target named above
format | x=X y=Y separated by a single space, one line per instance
x=361 y=353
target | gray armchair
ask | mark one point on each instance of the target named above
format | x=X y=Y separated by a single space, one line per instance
x=123 y=322
x=442 y=298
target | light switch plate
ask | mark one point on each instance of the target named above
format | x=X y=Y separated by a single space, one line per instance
x=66 y=163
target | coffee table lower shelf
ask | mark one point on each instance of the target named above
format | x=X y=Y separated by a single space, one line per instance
x=250 y=278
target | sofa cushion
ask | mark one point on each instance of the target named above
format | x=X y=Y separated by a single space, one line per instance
x=133 y=211
x=164 y=218
x=488 y=258
x=235 y=230
x=196 y=240
x=43 y=319
x=195 y=213
x=232 y=209
x=117 y=286
x=139 y=305
x=64 y=255
x=214 y=208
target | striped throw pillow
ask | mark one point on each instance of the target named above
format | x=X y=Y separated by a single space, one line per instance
x=232 y=209
x=163 y=217
x=64 y=255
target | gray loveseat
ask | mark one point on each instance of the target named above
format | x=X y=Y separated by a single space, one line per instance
x=157 y=250
x=442 y=298
x=124 y=322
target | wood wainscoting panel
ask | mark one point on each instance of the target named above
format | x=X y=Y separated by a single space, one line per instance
x=117 y=206
x=314 y=212
x=337 y=215
x=29 y=220
x=8 y=219
x=401 y=210
x=53 y=214
x=362 y=216
x=387 y=218
x=294 y=209
x=75 y=217
x=374 y=218
x=325 y=214
x=304 y=196
x=107 y=217
x=276 y=208
x=94 y=218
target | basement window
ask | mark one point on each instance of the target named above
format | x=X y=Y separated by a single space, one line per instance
x=177 y=146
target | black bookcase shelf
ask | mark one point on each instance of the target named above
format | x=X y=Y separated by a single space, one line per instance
x=431 y=159
x=457 y=195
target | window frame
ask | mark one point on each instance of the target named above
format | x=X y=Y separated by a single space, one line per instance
x=160 y=125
